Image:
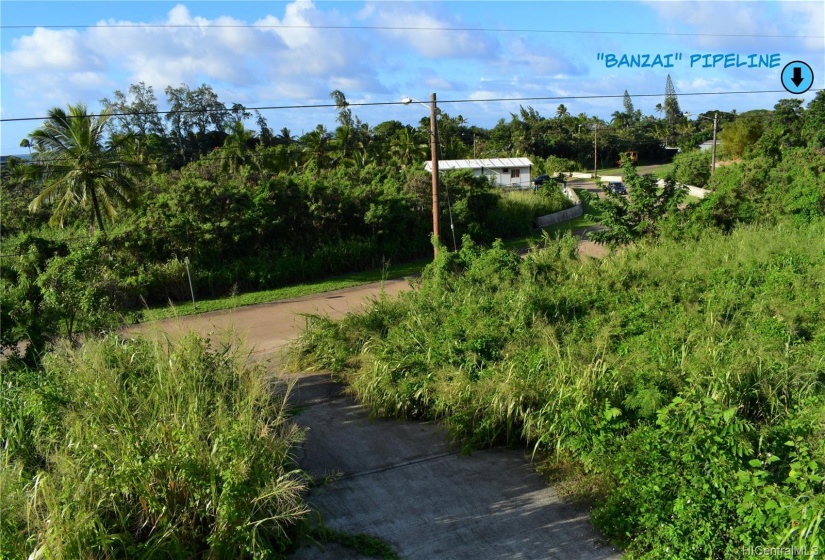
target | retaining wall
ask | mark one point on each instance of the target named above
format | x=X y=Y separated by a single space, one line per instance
x=570 y=213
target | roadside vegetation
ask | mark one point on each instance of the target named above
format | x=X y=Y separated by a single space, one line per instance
x=147 y=449
x=681 y=376
x=684 y=379
x=678 y=382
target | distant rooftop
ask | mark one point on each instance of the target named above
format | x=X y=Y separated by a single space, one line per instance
x=496 y=163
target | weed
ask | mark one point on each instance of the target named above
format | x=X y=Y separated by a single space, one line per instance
x=154 y=448
x=660 y=376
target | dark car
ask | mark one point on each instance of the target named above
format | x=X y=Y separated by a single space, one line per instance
x=541 y=179
x=616 y=188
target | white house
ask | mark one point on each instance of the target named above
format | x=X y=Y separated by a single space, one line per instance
x=708 y=145
x=506 y=172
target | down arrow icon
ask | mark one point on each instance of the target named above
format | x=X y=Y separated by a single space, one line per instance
x=797 y=76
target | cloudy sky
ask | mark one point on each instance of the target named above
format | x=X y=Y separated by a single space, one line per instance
x=294 y=53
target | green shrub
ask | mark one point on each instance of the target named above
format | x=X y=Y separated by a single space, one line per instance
x=692 y=168
x=160 y=448
x=674 y=373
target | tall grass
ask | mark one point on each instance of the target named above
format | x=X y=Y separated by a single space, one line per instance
x=685 y=379
x=517 y=210
x=159 y=449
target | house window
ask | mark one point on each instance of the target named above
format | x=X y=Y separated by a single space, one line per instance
x=514 y=173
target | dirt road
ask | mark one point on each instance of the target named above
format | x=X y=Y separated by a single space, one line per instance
x=267 y=328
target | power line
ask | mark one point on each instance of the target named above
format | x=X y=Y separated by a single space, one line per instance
x=390 y=103
x=403 y=28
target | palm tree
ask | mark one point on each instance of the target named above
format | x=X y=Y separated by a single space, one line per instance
x=316 y=147
x=660 y=109
x=236 y=146
x=407 y=147
x=344 y=142
x=76 y=165
x=24 y=143
x=619 y=118
x=285 y=137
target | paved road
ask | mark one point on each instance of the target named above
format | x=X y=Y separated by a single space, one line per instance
x=399 y=481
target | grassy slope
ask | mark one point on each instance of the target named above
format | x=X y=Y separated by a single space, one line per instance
x=148 y=449
x=585 y=361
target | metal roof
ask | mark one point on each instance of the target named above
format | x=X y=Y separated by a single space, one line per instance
x=496 y=163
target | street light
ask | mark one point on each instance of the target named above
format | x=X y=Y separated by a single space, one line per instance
x=433 y=149
x=713 y=152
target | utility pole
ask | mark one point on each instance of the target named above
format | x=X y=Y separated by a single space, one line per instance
x=434 y=150
x=595 y=151
x=713 y=153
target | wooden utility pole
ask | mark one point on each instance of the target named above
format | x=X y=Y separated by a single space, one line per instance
x=595 y=151
x=713 y=153
x=434 y=150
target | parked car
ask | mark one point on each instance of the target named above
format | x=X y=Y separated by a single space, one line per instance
x=617 y=188
x=541 y=179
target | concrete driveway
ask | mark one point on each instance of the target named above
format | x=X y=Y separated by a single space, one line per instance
x=399 y=481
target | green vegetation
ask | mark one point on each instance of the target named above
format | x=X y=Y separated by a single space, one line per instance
x=289 y=292
x=685 y=379
x=628 y=218
x=139 y=449
x=678 y=383
x=692 y=168
x=680 y=379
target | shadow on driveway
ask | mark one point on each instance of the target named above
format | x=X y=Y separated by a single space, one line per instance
x=400 y=482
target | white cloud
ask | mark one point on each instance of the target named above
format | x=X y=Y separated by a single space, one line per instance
x=315 y=52
x=538 y=60
x=810 y=19
x=50 y=50
x=269 y=66
x=164 y=56
x=745 y=24
x=718 y=24
x=419 y=31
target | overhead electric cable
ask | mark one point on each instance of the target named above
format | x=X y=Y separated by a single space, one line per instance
x=388 y=103
x=399 y=28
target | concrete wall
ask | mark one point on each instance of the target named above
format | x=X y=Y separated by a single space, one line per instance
x=695 y=191
x=570 y=213
x=604 y=178
x=698 y=192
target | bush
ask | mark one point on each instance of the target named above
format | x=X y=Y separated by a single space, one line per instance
x=692 y=168
x=684 y=378
x=160 y=448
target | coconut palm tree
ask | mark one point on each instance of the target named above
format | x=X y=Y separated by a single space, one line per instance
x=619 y=118
x=24 y=143
x=660 y=109
x=316 y=147
x=76 y=164
x=408 y=147
x=236 y=146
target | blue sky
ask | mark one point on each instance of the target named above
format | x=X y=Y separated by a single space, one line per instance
x=516 y=54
